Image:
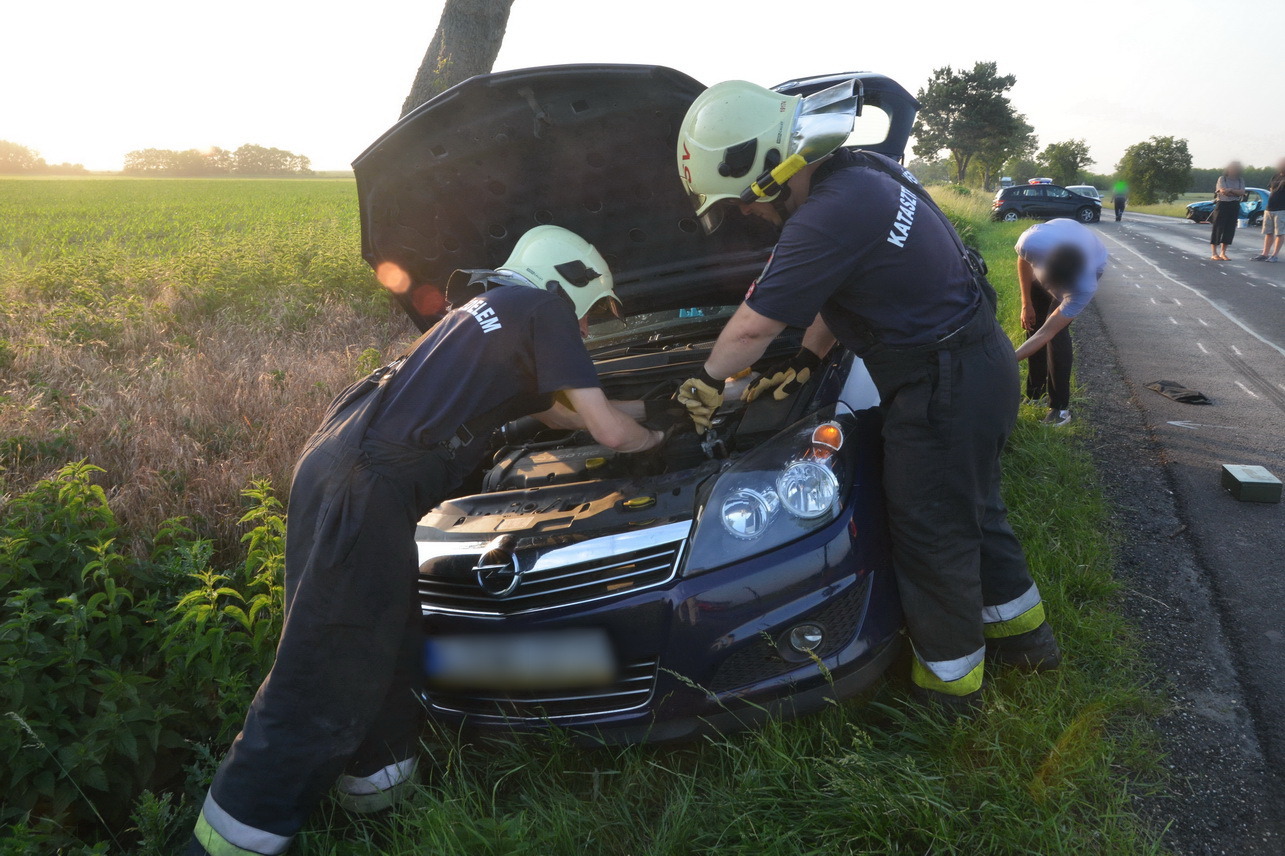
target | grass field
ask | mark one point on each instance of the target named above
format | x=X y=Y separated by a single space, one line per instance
x=186 y=335
x=1177 y=208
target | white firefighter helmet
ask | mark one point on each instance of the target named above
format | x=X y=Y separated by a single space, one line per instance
x=556 y=260
x=742 y=142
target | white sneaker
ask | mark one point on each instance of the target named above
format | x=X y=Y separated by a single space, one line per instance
x=1057 y=418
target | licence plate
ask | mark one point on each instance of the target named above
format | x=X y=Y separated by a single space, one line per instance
x=560 y=659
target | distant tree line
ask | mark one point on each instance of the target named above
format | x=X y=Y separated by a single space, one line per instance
x=248 y=160
x=1203 y=180
x=20 y=160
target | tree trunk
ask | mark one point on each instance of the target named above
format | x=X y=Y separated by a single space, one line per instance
x=961 y=165
x=466 y=43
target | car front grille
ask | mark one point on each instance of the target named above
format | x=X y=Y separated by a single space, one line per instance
x=449 y=583
x=632 y=689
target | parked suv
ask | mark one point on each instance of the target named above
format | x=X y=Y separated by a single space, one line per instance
x=1044 y=201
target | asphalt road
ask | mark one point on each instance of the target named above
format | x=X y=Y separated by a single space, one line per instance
x=1209 y=571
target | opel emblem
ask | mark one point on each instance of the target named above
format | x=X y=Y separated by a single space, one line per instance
x=498 y=572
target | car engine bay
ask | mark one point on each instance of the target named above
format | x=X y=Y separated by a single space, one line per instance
x=541 y=481
x=529 y=455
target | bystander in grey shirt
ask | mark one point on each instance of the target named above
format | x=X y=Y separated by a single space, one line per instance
x=1226 y=184
x=1039 y=241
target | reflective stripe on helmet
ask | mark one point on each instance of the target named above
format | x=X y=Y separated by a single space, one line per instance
x=957 y=677
x=221 y=834
x=1019 y=615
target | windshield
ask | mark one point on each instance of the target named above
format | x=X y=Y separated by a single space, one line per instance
x=656 y=326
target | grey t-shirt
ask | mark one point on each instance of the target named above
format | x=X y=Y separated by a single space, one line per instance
x=1037 y=242
x=1225 y=184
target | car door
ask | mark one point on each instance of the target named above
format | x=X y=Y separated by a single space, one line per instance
x=1059 y=202
x=1251 y=205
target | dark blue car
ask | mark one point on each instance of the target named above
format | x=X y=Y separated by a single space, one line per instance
x=635 y=597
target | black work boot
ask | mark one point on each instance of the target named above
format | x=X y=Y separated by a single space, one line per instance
x=1035 y=650
x=950 y=706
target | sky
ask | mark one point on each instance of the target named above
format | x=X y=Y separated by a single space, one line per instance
x=85 y=81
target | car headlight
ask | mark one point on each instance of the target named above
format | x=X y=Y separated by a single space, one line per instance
x=790 y=486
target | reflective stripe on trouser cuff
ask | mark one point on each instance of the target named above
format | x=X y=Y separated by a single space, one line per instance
x=954 y=677
x=1015 y=607
x=221 y=834
x=1020 y=615
x=389 y=777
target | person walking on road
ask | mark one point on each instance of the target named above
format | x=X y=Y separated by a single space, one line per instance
x=866 y=258
x=1120 y=197
x=1059 y=264
x=1274 y=216
x=1228 y=194
x=339 y=708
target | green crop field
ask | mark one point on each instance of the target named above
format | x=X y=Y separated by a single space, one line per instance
x=181 y=338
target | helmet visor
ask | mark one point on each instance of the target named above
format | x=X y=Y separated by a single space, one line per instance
x=712 y=217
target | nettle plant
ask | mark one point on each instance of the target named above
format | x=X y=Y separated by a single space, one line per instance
x=112 y=666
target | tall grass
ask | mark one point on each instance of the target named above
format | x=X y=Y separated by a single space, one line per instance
x=183 y=334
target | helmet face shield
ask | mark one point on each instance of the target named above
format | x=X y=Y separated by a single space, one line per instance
x=712 y=217
x=825 y=121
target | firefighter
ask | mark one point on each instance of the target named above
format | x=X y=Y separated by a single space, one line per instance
x=339 y=708
x=864 y=257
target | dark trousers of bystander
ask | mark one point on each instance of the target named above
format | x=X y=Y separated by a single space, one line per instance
x=1119 y=207
x=1049 y=371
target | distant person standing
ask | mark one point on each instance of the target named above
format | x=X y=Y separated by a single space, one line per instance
x=1227 y=198
x=1059 y=264
x=1120 y=197
x=1274 y=217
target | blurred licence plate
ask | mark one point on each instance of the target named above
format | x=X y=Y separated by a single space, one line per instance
x=561 y=659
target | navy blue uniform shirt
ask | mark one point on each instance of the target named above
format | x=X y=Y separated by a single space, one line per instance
x=864 y=254
x=502 y=354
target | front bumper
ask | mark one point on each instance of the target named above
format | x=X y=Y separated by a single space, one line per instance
x=707 y=652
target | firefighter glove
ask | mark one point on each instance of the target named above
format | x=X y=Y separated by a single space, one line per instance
x=701 y=395
x=784 y=378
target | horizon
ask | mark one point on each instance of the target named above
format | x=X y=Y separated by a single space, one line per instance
x=297 y=84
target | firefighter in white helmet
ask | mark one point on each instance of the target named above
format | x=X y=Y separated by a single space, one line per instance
x=866 y=258
x=339 y=708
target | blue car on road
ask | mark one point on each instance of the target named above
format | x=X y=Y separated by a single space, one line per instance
x=650 y=597
x=1251 y=207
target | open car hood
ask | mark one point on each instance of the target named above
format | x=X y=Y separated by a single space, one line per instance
x=456 y=182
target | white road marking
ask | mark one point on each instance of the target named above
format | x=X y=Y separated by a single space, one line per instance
x=1229 y=316
x=1202 y=347
x=1177 y=302
x=1237 y=350
x=1158 y=287
x=1171 y=319
x=1194 y=425
x=1247 y=389
x=1203 y=322
x=1153 y=300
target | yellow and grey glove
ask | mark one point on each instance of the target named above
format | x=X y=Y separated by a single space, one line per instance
x=701 y=395
x=785 y=378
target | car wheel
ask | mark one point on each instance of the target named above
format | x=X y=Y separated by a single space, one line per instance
x=1009 y=217
x=1084 y=215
